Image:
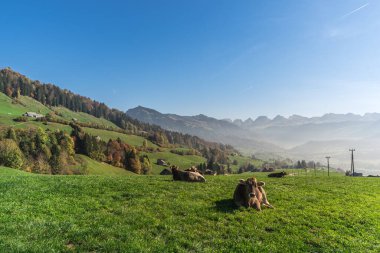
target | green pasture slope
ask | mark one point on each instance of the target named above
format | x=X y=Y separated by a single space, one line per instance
x=10 y=110
x=40 y=213
x=103 y=169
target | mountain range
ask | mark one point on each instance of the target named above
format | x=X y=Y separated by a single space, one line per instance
x=295 y=137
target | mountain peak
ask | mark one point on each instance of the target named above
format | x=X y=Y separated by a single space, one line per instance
x=279 y=118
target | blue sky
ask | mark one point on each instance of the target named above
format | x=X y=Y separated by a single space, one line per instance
x=226 y=59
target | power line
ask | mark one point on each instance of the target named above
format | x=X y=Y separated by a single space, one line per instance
x=328 y=165
x=352 y=162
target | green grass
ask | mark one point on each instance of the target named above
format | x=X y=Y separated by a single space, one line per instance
x=130 y=139
x=184 y=162
x=10 y=110
x=83 y=117
x=243 y=160
x=42 y=213
x=33 y=105
x=98 y=168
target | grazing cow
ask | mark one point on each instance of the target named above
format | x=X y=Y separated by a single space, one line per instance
x=278 y=174
x=250 y=193
x=188 y=176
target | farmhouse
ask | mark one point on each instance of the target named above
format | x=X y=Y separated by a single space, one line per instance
x=33 y=115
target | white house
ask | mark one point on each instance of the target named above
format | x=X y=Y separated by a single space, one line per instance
x=33 y=115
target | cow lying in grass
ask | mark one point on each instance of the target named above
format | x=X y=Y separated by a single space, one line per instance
x=250 y=193
x=189 y=176
x=278 y=174
x=194 y=169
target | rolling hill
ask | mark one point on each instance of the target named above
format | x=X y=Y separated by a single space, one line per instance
x=11 y=109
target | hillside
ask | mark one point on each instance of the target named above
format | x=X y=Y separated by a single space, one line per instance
x=15 y=85
x=11 y=109
x=153 y=214
x=102 y=169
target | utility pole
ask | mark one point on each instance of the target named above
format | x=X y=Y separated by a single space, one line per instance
x=315 y=171
x=352 y=162
x=328 y=165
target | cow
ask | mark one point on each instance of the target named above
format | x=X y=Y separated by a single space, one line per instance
x=189 y=176
x=250 y=193
x=278 y=174
x=194 y=169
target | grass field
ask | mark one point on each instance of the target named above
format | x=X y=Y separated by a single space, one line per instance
x=242 y=160
x=98 y=168
x=184 y=162
x=82 y=117
x=40 y=213
x=128 y=138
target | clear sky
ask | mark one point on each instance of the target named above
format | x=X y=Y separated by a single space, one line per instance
x=226 y=59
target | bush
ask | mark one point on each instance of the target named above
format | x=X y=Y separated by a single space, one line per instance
x=10 y=154
x=21 y=119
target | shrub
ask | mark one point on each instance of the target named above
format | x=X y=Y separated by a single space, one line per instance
x=10 y=154
x=21 y=119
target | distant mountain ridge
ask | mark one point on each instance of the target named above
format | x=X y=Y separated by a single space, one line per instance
x=297 y=137
x=203 y=126
x=297 y=119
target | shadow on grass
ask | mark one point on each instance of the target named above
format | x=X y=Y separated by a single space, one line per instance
x=225 y=206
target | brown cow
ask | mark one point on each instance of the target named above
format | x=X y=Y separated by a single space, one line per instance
x=194 y=169
x=179 y=175
x=250 y=193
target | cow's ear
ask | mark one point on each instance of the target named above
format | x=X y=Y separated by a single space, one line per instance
x=261 y=183
x=241 y=181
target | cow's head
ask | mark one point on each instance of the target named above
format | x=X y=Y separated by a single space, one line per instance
x=250 y=186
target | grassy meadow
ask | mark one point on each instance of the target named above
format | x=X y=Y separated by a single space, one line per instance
x=40 y=213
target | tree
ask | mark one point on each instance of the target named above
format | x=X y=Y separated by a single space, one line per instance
x=10 y=154
x=11 y=134
x=229 y=169
x=146 y=166
x=132 y=161
x=18 y=93
x=145 y=144
x=41 y=140
x=54 y=159
x=8 y=91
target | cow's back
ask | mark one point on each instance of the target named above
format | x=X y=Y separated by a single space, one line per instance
x=195 y=177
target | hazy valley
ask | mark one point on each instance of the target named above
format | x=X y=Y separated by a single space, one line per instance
x=295 y=137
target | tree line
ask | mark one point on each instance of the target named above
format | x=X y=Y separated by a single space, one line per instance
x=115 y=152
x=14 y=84
x=38 y=151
